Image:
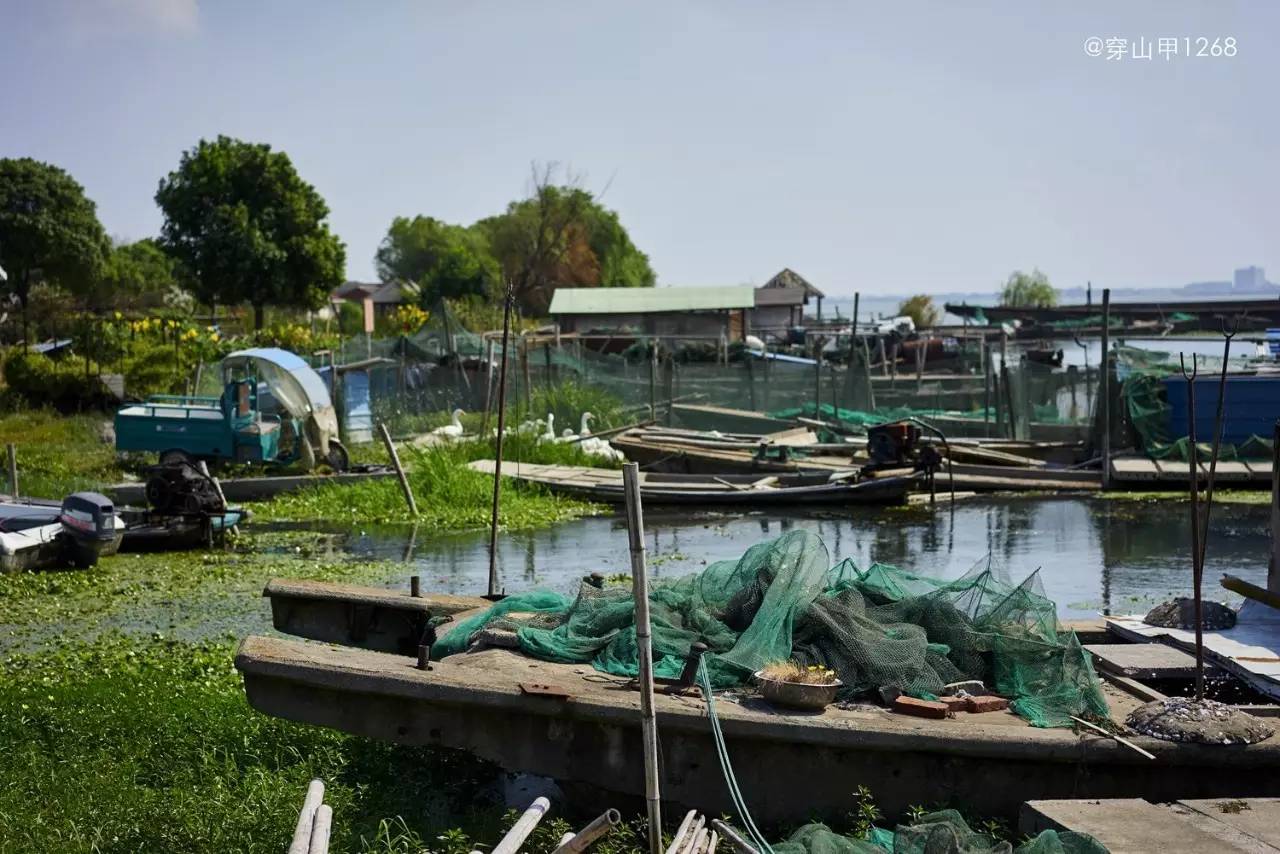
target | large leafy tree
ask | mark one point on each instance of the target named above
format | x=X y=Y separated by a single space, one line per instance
x=561 y=235
x=245 y=228
x=137 y=275
x=445 y=261
x=49 y=230
x=1028 y=289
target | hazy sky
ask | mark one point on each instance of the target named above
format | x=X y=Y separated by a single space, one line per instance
x=881 y=147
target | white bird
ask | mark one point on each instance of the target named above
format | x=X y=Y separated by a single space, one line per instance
x=584 y=426
x=452 y=430
x=530 y=428
x=549 y=432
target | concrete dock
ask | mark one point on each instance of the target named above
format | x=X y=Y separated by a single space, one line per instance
x=1136 y=826
x=583 y=727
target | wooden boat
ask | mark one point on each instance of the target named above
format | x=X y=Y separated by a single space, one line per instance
x=148 y=531
x=261 y=488
x=568 y=722
x=605 y=485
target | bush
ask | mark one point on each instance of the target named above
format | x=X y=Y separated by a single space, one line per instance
x=62 y=385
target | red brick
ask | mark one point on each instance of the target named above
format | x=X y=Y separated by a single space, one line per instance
x=955 y=704
x=920 y=708
x=987 y=704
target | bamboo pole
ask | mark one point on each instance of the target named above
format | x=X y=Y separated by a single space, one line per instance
x=653 y=379
x=306 y=818
x=677 y=841
x=1104 y=394
x=395 y=464
x=640 y=591
x=497 y=463
x=575 y=843
x=1273 y=568
x=520 y=831
x=735 y=839
x=12 y=453
x=488 y=386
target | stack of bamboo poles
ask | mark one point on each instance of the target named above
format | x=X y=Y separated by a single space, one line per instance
x=570 y=843
x=696 y=835
x=311 y=835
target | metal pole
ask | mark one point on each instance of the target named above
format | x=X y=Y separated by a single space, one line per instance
x=986 y=389
x=640 y=591
x=12 y=451
x=653 y=371
x=1104 y=393
x=502 y=425
x=581 y=841
x=1217 y=439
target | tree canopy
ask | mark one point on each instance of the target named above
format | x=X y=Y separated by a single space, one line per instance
x=921 y=309
x=137 y=275
x=49 y=230
x=443 y=260
x=244 y=227
x=1028 y=289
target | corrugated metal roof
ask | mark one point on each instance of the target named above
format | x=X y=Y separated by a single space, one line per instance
x=650 y=300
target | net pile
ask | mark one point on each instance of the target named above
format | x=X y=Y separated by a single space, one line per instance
x=879 y=627
x=941 y=832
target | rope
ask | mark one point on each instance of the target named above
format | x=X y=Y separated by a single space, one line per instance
x=735 y=794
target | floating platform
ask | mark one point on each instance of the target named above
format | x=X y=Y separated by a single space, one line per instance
x=1137 y=470
x=737 y=490
x=1250 y=650
x=579 y=726
x=1135 y=826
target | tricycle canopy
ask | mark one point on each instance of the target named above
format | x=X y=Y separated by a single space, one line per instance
x=292 y=382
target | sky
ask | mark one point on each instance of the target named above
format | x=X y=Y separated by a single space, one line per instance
x=873 y=147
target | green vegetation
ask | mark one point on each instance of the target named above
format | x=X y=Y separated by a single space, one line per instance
x=450 y=497
x=1028 y=289
x=243 y=227
x=49 y=230
x=58 y=455
x=921 y=310
x=445 y=261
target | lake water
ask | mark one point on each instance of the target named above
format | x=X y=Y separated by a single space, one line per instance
x=1094 y=555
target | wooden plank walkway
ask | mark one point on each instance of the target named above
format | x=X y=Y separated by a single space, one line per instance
x=1135 y=469
x=1135 y=826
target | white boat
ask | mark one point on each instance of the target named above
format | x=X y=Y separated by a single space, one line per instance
x=36 y=534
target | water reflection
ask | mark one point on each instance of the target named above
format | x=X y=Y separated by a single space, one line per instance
x=1094 y=556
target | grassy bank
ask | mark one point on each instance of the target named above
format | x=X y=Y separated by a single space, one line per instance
x=58 y=454
x=450 y=497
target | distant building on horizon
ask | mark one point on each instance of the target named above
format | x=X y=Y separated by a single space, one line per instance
x=1249 y=280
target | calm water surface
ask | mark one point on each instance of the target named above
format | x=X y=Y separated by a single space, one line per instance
x=1094 y=556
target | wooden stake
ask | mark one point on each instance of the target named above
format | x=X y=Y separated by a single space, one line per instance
x=12 y=450
x=1126 y=742
x=502 y=428
x=395 y=464
x=735 y=839
x=644 y=640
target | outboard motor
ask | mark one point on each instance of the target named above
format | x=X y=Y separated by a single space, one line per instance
x=88 y=525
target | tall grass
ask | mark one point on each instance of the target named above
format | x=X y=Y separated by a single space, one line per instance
x=450 y=497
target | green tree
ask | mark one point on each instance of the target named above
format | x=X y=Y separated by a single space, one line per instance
x=49 y=230
x=561 y=235
x=245 y=228
x=1028 y=289
x=445 y=261
x=921 y=310
x=137 y=275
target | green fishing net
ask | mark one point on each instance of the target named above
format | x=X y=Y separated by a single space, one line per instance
x=879 y=627
x=941 y=832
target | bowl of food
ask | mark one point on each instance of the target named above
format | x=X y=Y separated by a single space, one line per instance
x=798 y=686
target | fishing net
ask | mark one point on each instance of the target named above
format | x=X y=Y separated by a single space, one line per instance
x=879 y=627
x=941 y=832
